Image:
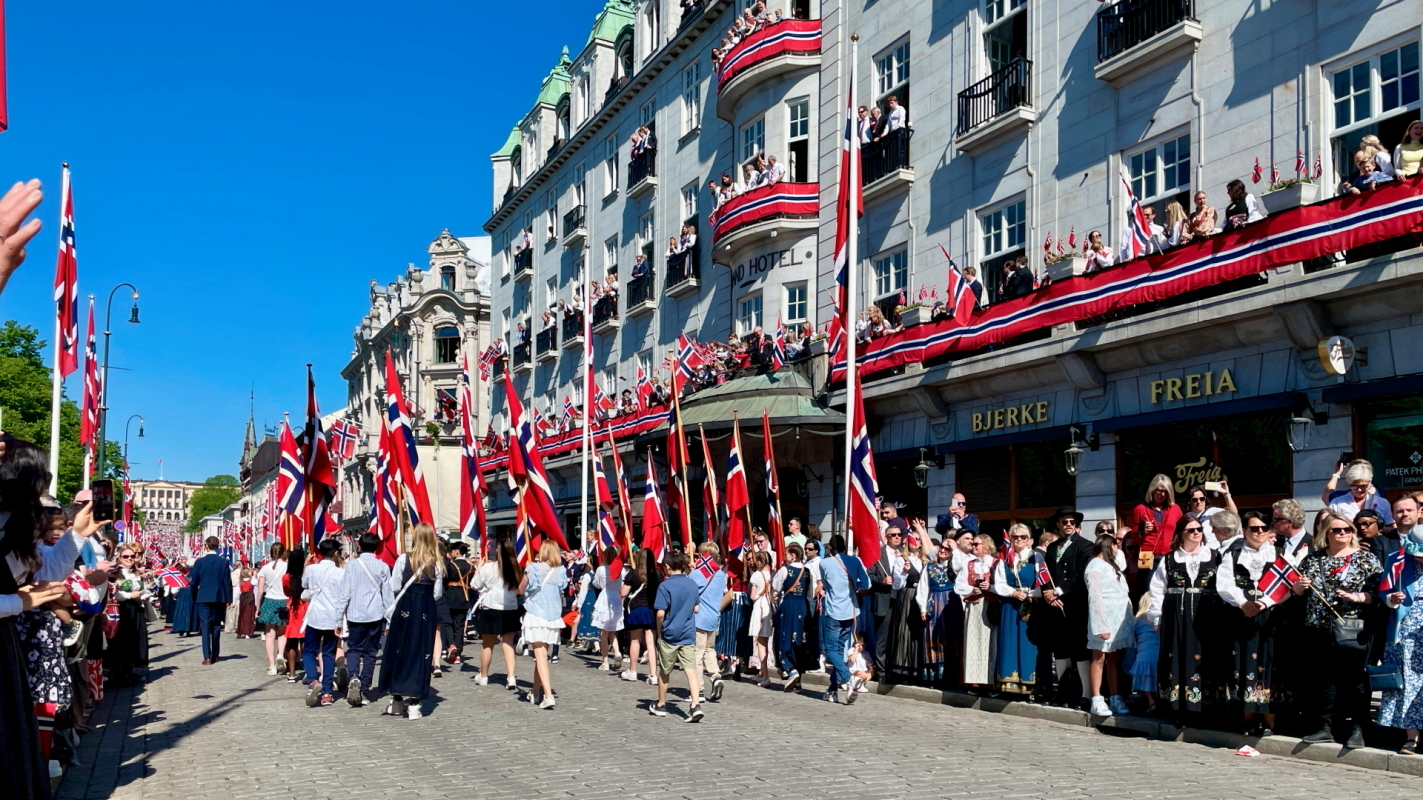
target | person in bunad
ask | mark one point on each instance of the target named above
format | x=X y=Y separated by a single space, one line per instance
x=973 y=585
x=1249 y=688
x=1013 y=581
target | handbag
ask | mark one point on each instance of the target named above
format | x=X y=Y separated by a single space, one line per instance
x=1385 y=677
x=1349 y=633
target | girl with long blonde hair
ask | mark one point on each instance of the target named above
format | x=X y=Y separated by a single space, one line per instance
x=542 y=585
x=406 y=669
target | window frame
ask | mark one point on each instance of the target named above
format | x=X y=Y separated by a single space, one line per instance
x=897 y=63
x=648 y=113
x=610 y=254
x=1370 y=56
x=757 y=124
x=744 y=325
x=1158 y=147
x=790 y=303
x=610 y=166
x=889 y=256
x=692 y=98
x=992 y=277
x=689 y=201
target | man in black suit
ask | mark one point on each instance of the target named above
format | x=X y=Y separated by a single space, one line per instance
x=1067 y=560
x=881 y=594
x=211 y=582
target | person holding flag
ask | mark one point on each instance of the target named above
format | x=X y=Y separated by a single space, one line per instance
x=1401 y=590
x=1251 y=689
x=1016 y=653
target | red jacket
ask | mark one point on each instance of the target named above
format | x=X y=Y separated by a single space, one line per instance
x=1160 y=541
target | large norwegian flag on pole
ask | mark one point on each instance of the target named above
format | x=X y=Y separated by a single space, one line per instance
x=291 y=489
x=849 y=205
x=773 y=490
x=384 y=509
x=654 y=518
x=1136 y=223
x=66 y=283
x=960 y=294
x=607 y=529
x=89 y=417
x=711 y=502
x=526 y=470
x=624 y=501
x=473 y=488
x=405 y=459
x=738 y=497
x=316 y=463
x=864 y=488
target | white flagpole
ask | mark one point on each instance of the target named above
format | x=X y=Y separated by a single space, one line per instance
x=587 y=310
x=850 y=173
x=58 y=383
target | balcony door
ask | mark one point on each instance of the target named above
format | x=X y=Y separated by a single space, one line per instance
x=1005 y=36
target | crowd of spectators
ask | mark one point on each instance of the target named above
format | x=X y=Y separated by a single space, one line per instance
x=752 y=18
x=763 y=170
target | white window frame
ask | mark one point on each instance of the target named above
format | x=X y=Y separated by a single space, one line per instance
x=1002 y=216
x=751 y=141
x=889 y=269
x=551 y=292
x=646 y=229
x=580 y=186
x=799 y=103
x=584 y=106
x=891 y=68
x=648 y=113
x=610 y=254
x=1372 y=57
x=692 y=98
x=610 y=382
x=994 y=13
x=551 y=204
x=506 y=326
x=750 y=313
x=791 y=289
x=689 y=201
x=652 y=25
x=1157 y=151
x=610 y=166
x=644 y=361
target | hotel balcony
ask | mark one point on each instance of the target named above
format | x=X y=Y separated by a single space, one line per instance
x=766 y=212
x=546 y=344
x=575 y=226
x=996 y=108
x=1137 y=36
x=786 y=46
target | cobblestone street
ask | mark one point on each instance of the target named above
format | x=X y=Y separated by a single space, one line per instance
x=230 y=731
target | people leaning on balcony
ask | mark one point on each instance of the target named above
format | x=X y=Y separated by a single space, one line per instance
x=1099 y=255
x=1244 y=208
x=775 y=171
x=897 y=116
x=863 y=128
x=640 y=272
x=750 y=178
x=547 y=319
x=876 y=124
x=1017 y=278
x=971 y=275
x=1371 y=145
x=1408 y=156
x=689 y=237
x=1204 y=220
x=1178 y=228
x=1366 y=177
x=1155 y=244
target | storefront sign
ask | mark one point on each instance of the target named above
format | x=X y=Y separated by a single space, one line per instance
x=1197 y=384
x=758 y=265
x=1196 y=473
x=1336 y=354
x=1011 y=417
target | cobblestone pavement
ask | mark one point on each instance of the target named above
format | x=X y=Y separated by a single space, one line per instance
x=229 y=731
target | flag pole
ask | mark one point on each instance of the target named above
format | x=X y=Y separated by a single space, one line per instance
x=852 y=291
x=682 y=455
x=770 y=449
x=587 y=398
x=57 y=388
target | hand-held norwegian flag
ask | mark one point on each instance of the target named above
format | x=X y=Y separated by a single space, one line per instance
x=66 y=283
x=778 y=347
x=864 y=488
x=1136 y=222
x=960 y=296
x=486 y=362
x=1257 y=172
x=1279 y=577
x=624 y=501
x=1299 y=162
x=738 y=498
x=1391 y=579
x=291 y=488
x=473 y=488
x=320 y=476
x=384 y=507
x=1318 y=167
x=526 y=470
x=773 y=490
x=1072 y=238
x=405 y=460
x=1043 y=578
x=1047 y=244
x=607 y=532
x=689 y=362
x=89 y=421
x=654 y=519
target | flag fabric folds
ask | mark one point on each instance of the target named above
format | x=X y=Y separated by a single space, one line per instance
x=960 y=294
x=89 y=421
x=291 y=488
x=405 y=460
x=711 y=500
x=1278 y=578
x=316 y=461
x=654 y=518
x=526 y=471
x=473 y=488
x=1392 y=578
x=841 y=329
x=66 y=283
x=774 y=523
x=738 y=498
x=864 y=488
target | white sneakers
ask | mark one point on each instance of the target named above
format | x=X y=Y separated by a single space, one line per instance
x=651 y=680
x=511 y=684
x=628 y=675
x=271 y=670
x=413 y=712
x=1099 y=707
x=603 y=667
x=548 y=702
x=1118 y=705
x=481 y=680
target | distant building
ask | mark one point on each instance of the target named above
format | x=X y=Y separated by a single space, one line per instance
x=163 y=501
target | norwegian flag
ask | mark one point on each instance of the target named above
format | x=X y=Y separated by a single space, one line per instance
x=1279 y=577
x=384 y=508
x=342 y=439
x=707 y=567
x=1391 y=580
x=1299 y=162
x=773 y=490
x=1043 y=578
x=567 y=412
x=711 y=501
x=654 y=518
x=677 y=463
x=778 y=347
x=320 y=476
x=624 y=500
x=66 y=282
x=291 y=487
x=689 y=362
x=89 y=421
x=523 y=534
x=1257 y=172
x=270 y=512
x=1047 y=244
x=526 y=472
x=405 y=460
x=1318 y=167
x=607 y=529
x=1274 y=173
x=1072 y=238
x=864 y=488
x=960 y=294
x=849 y=206
x=447 y=408
x=473 y=488
x=738 y=497
x=928 y=294
x=486 y=362
x=902 y=300
x=602 y=404
x=644 y=392
x=1136 y=222
x=173 y=578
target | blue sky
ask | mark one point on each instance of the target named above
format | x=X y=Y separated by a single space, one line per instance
x=251 y=168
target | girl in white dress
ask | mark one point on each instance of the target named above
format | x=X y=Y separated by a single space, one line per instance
x=761 y=615
x=608 y=609
x=1109 y=621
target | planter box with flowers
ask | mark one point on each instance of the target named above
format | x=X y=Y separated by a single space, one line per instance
x=817 y=346
x=913 y=315
x=1066 y=265
x=1286 y=195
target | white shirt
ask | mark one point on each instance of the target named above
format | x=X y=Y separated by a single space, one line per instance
x=1293 y=553
x=1005 y=588
x=897 y=567
x=493 y=594
x=1255 y=562
x=865 y=127
x=1253 y=210
x=897 y=118
x=328 y=603
x=272 y=573
x=1342 y=502
x=775 y=173
x=962 y=587
x=1193 y=563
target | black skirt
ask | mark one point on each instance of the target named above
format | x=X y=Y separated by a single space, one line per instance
x=129 y=647
x=494 y=622
x=405 y=668
x=25 y=775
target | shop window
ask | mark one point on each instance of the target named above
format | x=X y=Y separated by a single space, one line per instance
x=1250 y=452
x=1393 y=442
x=1018 y=483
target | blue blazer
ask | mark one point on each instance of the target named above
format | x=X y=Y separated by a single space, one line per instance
x=1410 y=591
x=211 y=579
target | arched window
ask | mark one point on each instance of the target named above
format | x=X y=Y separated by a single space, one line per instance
x=516 y=168
x=447 y=278
x=447 y=345
x=564 y=122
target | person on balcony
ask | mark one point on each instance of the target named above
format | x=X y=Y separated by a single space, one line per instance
x=1099 y=255
x=970 y=274
x=610 y=287
x=750 y=178
x=876 y=124
x=1367 y=177
x=689 y=238
x=897 y=116
x=1204 y=220
x=1408 y=156
x=729 y=189
x=775 y=171
x=1155 y=243
x=863 y=128
x=1178 y=227
x=1371 y=145
x=547 y=320
x=1244 y=208
x=1017 y=278
x=521 y=334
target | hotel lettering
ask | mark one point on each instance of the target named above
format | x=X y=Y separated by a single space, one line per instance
x=1010 y=417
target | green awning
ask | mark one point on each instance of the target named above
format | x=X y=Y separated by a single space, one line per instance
x=785 y=394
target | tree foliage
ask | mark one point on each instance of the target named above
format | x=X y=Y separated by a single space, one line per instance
x=217 y=493
x=24 y=401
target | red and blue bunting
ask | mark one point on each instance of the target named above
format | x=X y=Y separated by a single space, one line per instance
x=765 y=202
x=795 y=36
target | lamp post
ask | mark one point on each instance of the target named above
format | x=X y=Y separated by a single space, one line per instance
x=104 y=377
x=138 y=417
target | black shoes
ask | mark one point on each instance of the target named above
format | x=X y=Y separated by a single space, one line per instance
x=1356 y=739
x=1320 y=736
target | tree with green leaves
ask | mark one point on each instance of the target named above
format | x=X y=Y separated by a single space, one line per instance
x=24 y=403
x=217 y=493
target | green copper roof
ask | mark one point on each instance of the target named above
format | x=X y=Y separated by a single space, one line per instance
x=555 y=86
x=509 y=144
x=785 y=394
x=615 y=16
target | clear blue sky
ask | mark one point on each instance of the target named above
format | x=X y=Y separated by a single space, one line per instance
x=252 y=167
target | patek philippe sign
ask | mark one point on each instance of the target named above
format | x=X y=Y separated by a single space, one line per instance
x=1011 y=416
x=756 y=266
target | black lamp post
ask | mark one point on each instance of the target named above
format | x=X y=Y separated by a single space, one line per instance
x=104 y=378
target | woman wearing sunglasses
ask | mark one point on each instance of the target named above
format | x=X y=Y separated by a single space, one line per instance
x=1250 y=688
x=1338 y=578
x=1182 y=597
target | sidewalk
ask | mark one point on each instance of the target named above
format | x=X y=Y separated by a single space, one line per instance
x=112 y=759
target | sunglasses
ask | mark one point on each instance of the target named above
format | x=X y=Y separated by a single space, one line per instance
x=1193 y=529
x=1257 y=527
x=1341 y=530
x=1366 y=522
x=1022 y=537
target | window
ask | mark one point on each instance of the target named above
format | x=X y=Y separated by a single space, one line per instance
x=644 y=363
x=1005 y=231
x=1378 y=96
x=749 y=316
x=892 y=70
x=689 y=204
x=753 y=140
x=796 y=305
x=610 y=166
x=692 y=97
x=1005 y=34
x=551 y=292
x=648 y=114
x=1162 y=173
x=505 y=324
x=552 y=214
x=798 y=139
x=647 y=234
x=447 y=345
x=891 y=273
x=610 y=383
x=584 y=108
x=447 y=278
x=610 y=254
x=652 y=25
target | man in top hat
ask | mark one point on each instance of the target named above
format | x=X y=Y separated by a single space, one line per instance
x=1067 y=560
